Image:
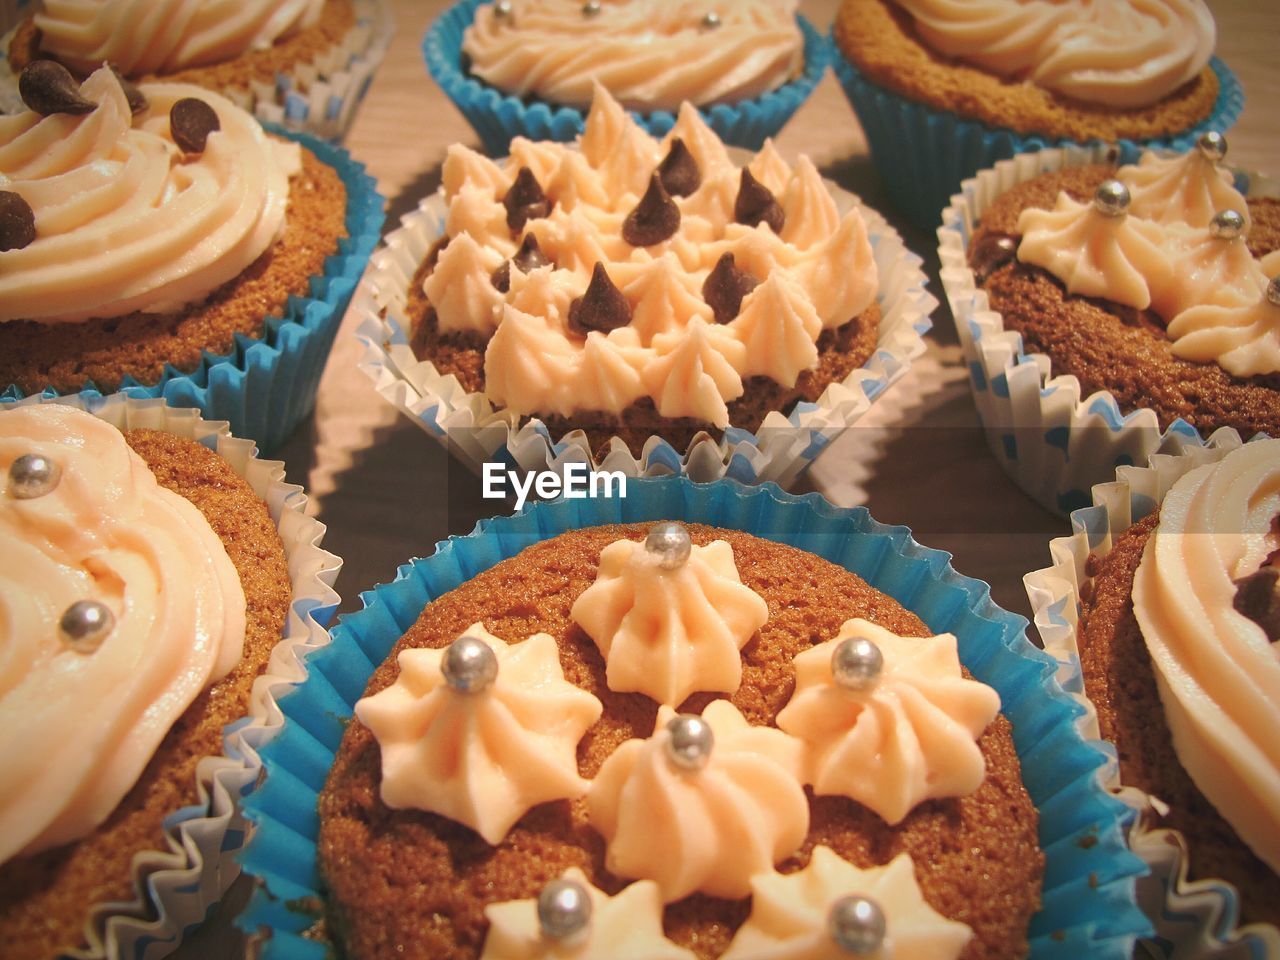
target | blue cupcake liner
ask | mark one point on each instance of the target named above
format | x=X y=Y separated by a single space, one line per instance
x=497 y=117
x=922 y=153
x=265 y=387
x=1088 y=901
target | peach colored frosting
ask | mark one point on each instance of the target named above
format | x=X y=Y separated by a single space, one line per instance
x=124 y=220
x=909 y=738
x=1218 y=675
x=670 y=633
x=1207 y=270
x=623 y=927
x=166 y=35
x=650 y=54
x=820 y=273
x=1189 y=189
x=705 y=830
x=1243 y=340
x=77 y=728
x=789 y=913
x=1121 y=54
x=481 y=758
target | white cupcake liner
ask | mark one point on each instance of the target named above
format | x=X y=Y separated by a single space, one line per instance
x=175 y=888
x=468 y=424
x=1053 y=443
x=1193 y=920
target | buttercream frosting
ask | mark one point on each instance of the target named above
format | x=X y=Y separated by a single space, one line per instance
x=481 y=758
x=668 y=633
x=77 y=729
x=910 y=737
x=1243 y=340
x=707 y=830
x=1205 y=269
x=124 y=219
x=789 y=913
x=1189 y=188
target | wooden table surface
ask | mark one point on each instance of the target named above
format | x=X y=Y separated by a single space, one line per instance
x=388 y=492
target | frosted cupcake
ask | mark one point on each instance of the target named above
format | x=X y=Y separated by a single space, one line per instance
x=527 y=67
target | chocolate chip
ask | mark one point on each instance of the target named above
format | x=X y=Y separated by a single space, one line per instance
x=679 y=171
x=1258 y=598
x=655 y=218
x=501 y=278
x=725 y=287
x=137 y=102
x=17 y=221
x=48 y=88
x=530 y=255
x=991 y=252
x=755 y=204
x=191 y=120
x=602 y=307
x=525 y=200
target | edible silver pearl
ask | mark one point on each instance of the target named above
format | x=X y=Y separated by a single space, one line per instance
x=856 y=925
x=84 y=625
x=1227 y=225
x=1111 y=198
x=1212 y=144
x=711 y=20
x=591 y=9
x=690 y=743
x=564 y=909
x=502 y=8
x=469 y=665
x=670 y=543
x=856 y=663
x=1273 y=292
x=33 y=475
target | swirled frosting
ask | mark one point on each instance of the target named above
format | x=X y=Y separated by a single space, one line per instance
x=1123 y=55
x=672 y=351
x=669 y=633
x=1218 y=675
x=1207 y=270
x=481 y=758
x=650 y=54
x=168 y=35
x=706 y=830
x=124 y=219
x=789 y=913
x=1243 y=340
x=909 y=738
x=77 y=729
x=623 y=927
x=1188 y=189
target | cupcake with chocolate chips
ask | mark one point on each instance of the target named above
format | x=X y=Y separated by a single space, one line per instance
x=625 y=288
x=154 y=238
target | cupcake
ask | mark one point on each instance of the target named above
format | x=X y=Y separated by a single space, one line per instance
x=1145 y=289
x=625 y=288
x=643 y=737
x=158 y=240
x=304 y=64
x=147 y=611
x=527 y=68
x=943 y=90
x=1165 y=621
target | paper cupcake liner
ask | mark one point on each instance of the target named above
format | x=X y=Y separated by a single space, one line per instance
x=923 y=153
x=1053 y=443
x=498 y=117
x=1088 y=905
x=176 y=887
x=1193 y=920
x=319 y=97
x=264 y=387
x=475 y=432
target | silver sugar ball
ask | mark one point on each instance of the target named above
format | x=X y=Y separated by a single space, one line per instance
x=711 y=20
x=502 y=9
x=591 y=8
x=856 y=663
x=1111 y=198
x=690 y=743
x=856 y=925
x=1273 y=292
x=84 y=625
x=670 y=543
x=1227 y=225
x=564 y=909
x=33 y=475
x=469 y=665
x=1213 y=145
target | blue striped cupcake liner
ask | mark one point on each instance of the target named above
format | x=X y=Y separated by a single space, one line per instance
x=498 y=117
x=264 y=387
x=923 y=153
x=1087 y=902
